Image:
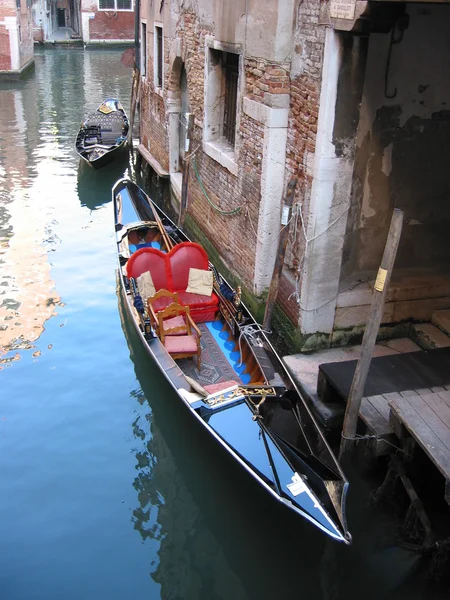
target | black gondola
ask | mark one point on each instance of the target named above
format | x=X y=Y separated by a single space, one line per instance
x=237 y=386
x=103 y=134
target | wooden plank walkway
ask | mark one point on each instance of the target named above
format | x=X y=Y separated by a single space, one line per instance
x=425 y=415
x=392 y=373
x=406 y=396
x=390 y=378
x=374 y=413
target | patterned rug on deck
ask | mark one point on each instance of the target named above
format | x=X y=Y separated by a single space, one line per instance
x=215 y=367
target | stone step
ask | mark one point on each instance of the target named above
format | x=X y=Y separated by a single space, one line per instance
x=428 y=336
x=441 y=318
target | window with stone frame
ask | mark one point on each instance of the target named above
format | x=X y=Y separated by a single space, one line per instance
x=221 y=108
x=231 y=76
x=159 y=57
x=222 y=88
x=115 y=5
x=143 y=49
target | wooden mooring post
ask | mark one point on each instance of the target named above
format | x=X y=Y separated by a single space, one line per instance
x=370 y=333
x=134 y=100
x=282 y=244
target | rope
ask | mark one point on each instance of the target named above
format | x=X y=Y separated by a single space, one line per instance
x=307 y=242
x=249 y=331
x=139 y=304
x=137 y=298
x=358 y=438
x=216 y=208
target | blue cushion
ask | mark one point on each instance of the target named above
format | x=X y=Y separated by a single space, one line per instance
x=134 y=247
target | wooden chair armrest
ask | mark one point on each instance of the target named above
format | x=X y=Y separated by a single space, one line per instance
x=152 y=316
x=194 y=325
x=151 y=312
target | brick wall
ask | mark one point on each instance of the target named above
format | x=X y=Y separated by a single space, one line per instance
x=112 y=25
x=153 y=117
x=235 y=236
x=7 y=8
x=305 y=83
x=26 y=48
x=5 y=54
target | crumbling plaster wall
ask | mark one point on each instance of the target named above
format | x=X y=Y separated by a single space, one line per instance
x=403 y=148
x=327 y=78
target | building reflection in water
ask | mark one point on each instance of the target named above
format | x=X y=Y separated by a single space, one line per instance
x=38 y=178
x=27 y=297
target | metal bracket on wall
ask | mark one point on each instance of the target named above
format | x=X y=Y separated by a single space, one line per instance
x=397 y=32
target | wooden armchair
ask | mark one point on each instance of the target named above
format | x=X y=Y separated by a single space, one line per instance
x=181 y=340
x=161 y=300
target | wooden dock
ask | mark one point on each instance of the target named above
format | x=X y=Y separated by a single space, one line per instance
x=425 y=416
x=406 y=396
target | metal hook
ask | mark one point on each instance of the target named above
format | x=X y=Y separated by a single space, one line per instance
x=399 y=26
x=388 y=63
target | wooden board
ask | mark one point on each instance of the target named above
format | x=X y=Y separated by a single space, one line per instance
x=427 y=418
x=372 y=412
x=393 y=373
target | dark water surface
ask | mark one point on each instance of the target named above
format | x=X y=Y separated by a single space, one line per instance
x=107 y=489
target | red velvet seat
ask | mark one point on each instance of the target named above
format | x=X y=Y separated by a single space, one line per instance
x=179 y=333
x=170 y=271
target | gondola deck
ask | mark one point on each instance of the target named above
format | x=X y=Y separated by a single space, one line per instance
x=244 y=397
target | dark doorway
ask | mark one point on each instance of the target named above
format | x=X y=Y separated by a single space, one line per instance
x=61 y=17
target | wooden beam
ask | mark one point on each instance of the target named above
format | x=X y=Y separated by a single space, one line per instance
x=370 y=333
x=152 y=161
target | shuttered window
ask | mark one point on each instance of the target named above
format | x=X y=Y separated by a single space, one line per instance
x=115 y=4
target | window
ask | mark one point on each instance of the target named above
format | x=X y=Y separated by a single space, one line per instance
x=159 y=55
x=231 y=73
x=222 y=97
x=222 y=75
x=115 y=4
x=143 y=49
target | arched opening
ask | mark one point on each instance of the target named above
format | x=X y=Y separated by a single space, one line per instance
x=185 y=109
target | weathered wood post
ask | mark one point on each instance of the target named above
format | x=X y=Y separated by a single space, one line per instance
x=370 y=333
x=282 y=244
x=186 y=162
x=134 y=100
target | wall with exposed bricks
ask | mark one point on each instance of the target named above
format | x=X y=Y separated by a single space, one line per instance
x=108 y=24
x=293 y=83
x=5 y=52
x=22 y=45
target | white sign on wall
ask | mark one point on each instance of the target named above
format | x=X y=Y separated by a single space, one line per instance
x=342 y=9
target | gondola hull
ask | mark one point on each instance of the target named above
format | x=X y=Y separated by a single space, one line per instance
x=103 y=136
x=259 y=417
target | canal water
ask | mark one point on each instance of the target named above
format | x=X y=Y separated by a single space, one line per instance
x=107 y=489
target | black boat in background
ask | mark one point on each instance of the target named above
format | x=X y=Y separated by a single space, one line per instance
x=236 y=386
x=103 y=134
